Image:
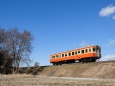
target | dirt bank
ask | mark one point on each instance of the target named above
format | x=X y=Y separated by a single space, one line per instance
x=104 y=70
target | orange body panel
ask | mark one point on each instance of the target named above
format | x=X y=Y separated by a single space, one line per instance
x=76 y=57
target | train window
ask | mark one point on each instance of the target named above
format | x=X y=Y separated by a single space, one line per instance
x=89 y=50
x=69 y=54
x=53 y=56
x=78 y=51
x=93 y=49
x=75 y=52
x=82 y=51
x=62 y=55
x=72 y=53
x=57 y=56
x=65 y=54
x=86 y=50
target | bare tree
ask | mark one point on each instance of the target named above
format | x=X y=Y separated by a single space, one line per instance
x=36 y=64
x=3 y=40
x=16 y=44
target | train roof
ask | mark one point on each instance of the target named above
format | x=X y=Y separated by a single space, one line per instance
x=77 y=49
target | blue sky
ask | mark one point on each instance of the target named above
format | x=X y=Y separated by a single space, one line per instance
x=60 y=25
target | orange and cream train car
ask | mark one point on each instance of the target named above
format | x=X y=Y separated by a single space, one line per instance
x=85 y=54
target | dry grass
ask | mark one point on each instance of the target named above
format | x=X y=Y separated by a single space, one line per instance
x=29 y=80
x=103 y=70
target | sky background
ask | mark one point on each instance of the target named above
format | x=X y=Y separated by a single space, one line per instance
x=61 y=25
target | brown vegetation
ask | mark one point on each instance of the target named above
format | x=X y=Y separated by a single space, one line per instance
x=30 y=70
x=5 y=63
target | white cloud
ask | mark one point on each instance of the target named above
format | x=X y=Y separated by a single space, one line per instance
x=83 y=43
x=107 y=58
x=107 y=11
x=112 y=41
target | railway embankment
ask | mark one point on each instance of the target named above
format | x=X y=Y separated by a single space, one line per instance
x=104 y=70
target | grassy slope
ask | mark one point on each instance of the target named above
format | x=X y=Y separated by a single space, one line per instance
x=89 y=70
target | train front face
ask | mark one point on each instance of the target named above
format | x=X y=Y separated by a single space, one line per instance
x=98 y=52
